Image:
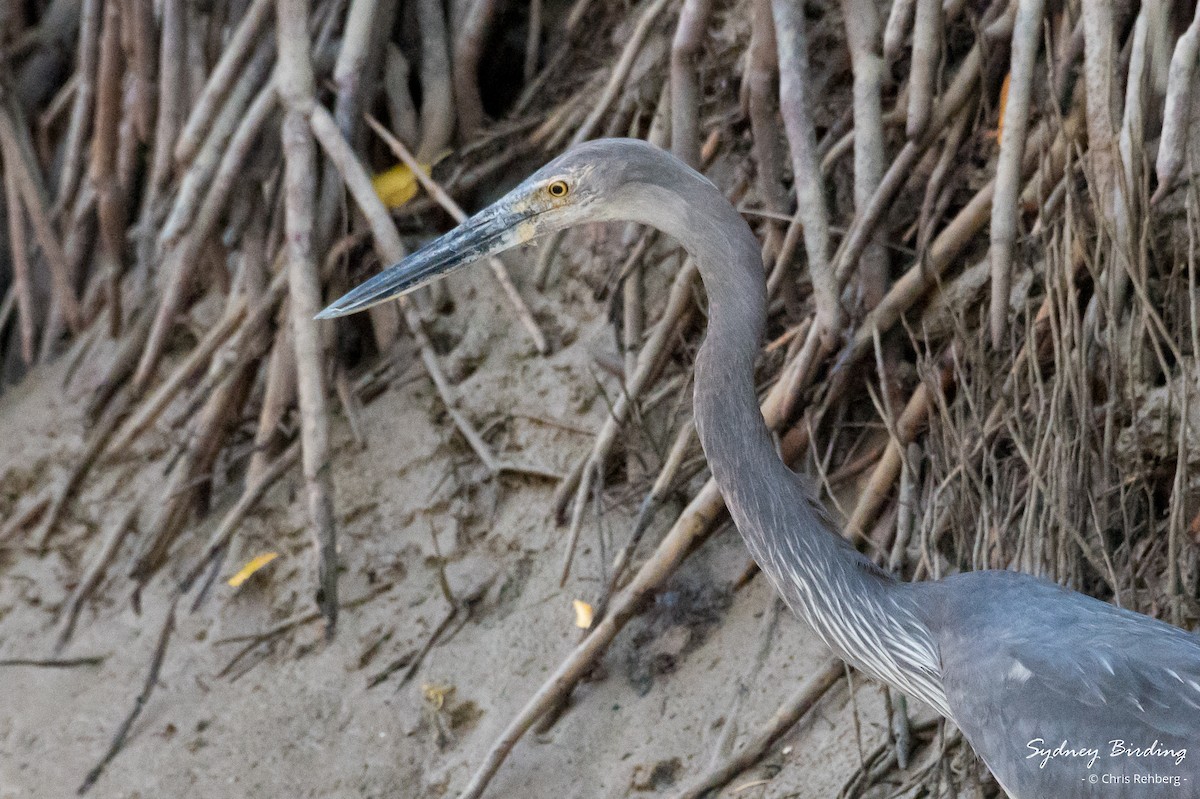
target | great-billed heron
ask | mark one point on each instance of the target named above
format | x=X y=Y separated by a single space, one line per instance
x=1060 y=694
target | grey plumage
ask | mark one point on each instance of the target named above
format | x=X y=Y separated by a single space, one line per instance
x=1024 y=659
x=1041 y=680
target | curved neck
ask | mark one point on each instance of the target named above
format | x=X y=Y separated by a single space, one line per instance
x=859 y=611
x=788 y=534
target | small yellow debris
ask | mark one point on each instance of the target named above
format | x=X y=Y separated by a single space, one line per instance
x=398 y=185
x=583 y=614
x=256 y=563
x=435 y=694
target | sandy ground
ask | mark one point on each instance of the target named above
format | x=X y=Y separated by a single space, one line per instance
x=296 y=719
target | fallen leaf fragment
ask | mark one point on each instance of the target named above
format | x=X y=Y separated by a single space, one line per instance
x=435 y=694
x=247 y=571
x=583 y=614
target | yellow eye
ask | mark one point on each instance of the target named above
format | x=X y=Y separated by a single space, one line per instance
x=557 y=189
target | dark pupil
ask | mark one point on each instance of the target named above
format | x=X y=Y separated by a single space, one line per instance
x=558 y=190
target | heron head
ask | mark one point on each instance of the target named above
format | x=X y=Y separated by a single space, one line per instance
x=593 y=181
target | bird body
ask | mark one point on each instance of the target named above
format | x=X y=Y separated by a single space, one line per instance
x=1063 y=695
x=1037 y=677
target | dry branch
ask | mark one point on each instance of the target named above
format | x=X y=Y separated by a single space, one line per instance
x=1099 y=69
x=899 y=19
x=762 y=69
x=194 y=186
x=233 y=58
x=862 y=37
x=278 y=396
x=953 y=99
x=253 y=492
x=81 y=107
x=437 y=106
x=783 y=719
x=92 y=576
x=914 y=283
x=387 y=243
x=1026 y=37
x=349 y=70
x=21 y=286
x=620 y=70
x=20 y=520
x=150 y=409
x=295 y=81
x=171 y=102
x=887 y=470
x=581 y=479
x=19 y=157
x=689 y=531
x=1177 y=115
x=685 y=85
x=926 y=53
x=201 y=198
x=54 y=663
x=795 y=105
x=468 y=50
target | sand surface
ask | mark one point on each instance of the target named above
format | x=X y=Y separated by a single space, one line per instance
x=294 y=717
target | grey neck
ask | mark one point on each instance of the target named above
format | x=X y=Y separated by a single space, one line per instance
x=860 y=612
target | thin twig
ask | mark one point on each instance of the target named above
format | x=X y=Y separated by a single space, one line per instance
x=620 y=70
x=92 y=576
x=21 y=287
x=81 y=107
x=254 y=640
x=54 y=663
x=679 y=304
x=156 y=661
x=233 y=57
x=783 y=719
x=19 y=157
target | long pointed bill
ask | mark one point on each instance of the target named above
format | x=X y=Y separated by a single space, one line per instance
x=492 y=230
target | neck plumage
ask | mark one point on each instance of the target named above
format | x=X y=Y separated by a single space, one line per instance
x=857 y=609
